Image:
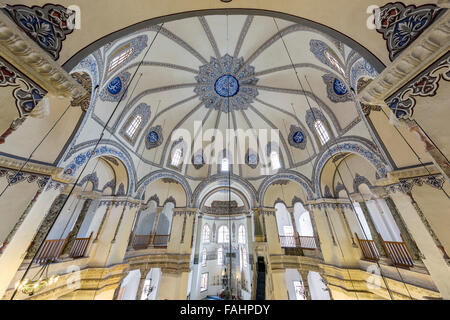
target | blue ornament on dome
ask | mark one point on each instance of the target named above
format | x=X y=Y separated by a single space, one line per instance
x=153 y=137
x=115 y=86
x=226 y=86
x=339 y=88
x=298 y=137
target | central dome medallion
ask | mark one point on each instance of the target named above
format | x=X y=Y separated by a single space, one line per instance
x=226 y=83
x=226 y=86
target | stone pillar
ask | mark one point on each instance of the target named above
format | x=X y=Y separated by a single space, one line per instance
x=296 y=234
x=270 y=225
x=373 y=230
x=173 y=285
x=16 y=250
x=325 y=235
x=342 y=209
x=279 y=288
x=182 y=221
x=304 y=274
x=74 y=232
x=119 y=243
x=258 y=226
x=433 y=259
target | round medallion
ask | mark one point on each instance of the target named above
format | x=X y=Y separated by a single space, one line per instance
x=339 y=88
x=298 y=137
x=115 y=86
x=226 y=86
x=252 y=159
x=153 y=137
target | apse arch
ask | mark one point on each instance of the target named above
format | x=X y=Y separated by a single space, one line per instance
x=315 y=26
x=287 y=175
x=161 y=174
x=223 y=181
x=235 y=191
x=354 y=145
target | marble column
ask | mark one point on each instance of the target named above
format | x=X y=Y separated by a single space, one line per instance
x=296 y=234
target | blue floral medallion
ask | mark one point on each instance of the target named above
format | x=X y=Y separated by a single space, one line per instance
x=297 y=138
x=226 y=84
x=154 y=137
x=339 y=88
x=115 y=86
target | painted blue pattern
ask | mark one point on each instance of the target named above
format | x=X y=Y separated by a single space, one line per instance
x=298 y=137
x=115 y=86
x=153 y=137
x=339 y=88
x=226 y=86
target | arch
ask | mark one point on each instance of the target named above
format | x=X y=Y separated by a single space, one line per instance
x=235 y=191
x=206 y=234
x=216 y=181
x=161 y=174
x=81 y=153
x=315 y=26
x=355 y=145
x=287 y=175
x=223 y=234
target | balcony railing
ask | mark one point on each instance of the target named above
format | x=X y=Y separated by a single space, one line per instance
x=396 y=250
x=150 y=240
x=79 y=247
x=50 y=250
x=369 y=249
x=304 y=242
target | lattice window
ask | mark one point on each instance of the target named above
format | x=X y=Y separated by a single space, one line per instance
x=223 y=235
x=120 y=58
x=324 y=136
x=241 y=235
x=176 y=159
x=206 y=234
x=134 y=126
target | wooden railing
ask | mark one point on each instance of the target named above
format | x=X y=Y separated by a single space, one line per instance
x=160 y=241
x=288 y=242
x=141 y=241
x=307 y=242
x=369 y=249
x=79 y=247
x=399 y=253
x=50 y=250
x=150 y=240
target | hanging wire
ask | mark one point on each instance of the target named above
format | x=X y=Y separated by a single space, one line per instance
x=87 y=162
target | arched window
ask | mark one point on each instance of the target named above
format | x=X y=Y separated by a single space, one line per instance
x=243 y=253
x=120 y=58
x=275 y=160
x=225 y=165
x=241 y=234
x=219 y=256
x=133 y=126
x=204 y=256
x=223 y=235
x=206 y=234
x=176 y=159
x=321 y=131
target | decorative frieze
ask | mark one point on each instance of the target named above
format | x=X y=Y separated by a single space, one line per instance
x=406 y=185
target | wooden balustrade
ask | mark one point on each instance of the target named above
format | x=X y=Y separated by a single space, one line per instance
x=50 y=250
x=288 y=242
x=160 y=241
x=141 y=241
x=399 y=253
x=307 y=242
x=368 y=248
x=79 y=247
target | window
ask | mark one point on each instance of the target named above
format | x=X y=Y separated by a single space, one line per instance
x=145 y=290
x=299 y=291
x=334 y=62
x=241 y=235
x=134 y=125
x=275 y=159
x=204 y=282
x=119 y=59
x=288 y=231
x=244 y=257
x=223 y=235
x=322 y=132
x=206 y=234
x=176 y=158
x=225 y=167
x=219 y=256
x=204 y=256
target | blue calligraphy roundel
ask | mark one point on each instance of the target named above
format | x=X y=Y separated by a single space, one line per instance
x=115 y=86
x=153 y=137
x=298 y=137
x=226 y=86
x=339 y=88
